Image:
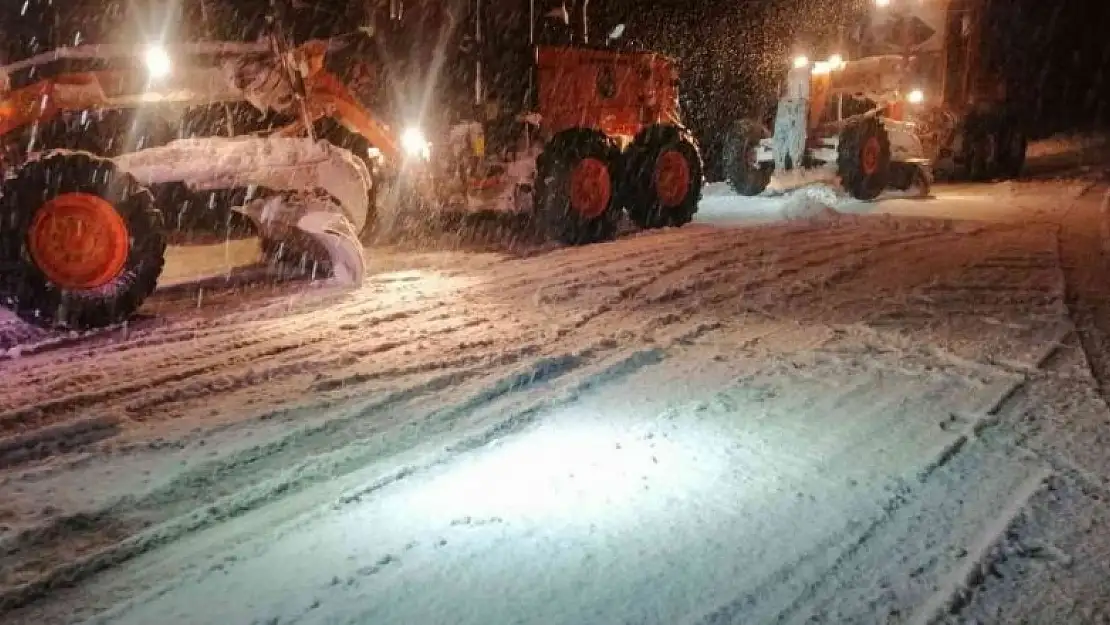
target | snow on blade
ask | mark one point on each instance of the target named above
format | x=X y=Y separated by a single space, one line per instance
x=284 y=164
x=344 y=249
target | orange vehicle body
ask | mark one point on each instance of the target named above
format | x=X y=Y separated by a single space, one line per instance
x=618 y=93
x=325 y=96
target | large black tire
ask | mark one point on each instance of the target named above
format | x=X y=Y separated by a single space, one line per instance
x=663 y=177
x=983 y=157
x=1013 y=144
x=745 y=176
x=570 y=153
x=864 y=159
x=26 y=288
x=902 y=176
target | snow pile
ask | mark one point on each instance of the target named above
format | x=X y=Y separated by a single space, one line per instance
x=1066 y=144
x=717 y=189
x=813 y=202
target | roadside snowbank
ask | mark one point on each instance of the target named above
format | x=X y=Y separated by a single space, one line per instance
x=811 y=201
x=1067 y=144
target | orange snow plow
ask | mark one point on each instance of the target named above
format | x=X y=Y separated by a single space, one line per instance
x=97 y=141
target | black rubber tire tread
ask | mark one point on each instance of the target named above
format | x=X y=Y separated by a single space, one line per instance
x=552 y=191
x=742 y=177
x=979 y=129
x=1013 y=145
x=902 y=176
x=338 y=135
x=982 y=167
x=637 y=184
x=28 y=292
x=852 y=139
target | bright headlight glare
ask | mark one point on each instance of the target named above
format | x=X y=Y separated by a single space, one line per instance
x=158 y=62
x=801 y=61
x=415 y=144
x=917 y=96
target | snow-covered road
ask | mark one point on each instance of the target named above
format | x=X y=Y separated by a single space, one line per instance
x=839 y=418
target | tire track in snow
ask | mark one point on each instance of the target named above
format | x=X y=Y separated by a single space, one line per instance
x=451 y=380
x=292 y=365
x=1083 y=270
x=204 y=373
x=836 y=570
x=271 y=313
x=488 y=375
x=181 y=381
x=90 y=543
x=899 y=506
x=209 y=354
x=201 y=363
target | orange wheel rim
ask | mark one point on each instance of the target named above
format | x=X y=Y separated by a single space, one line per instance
x=590 y=188
x=672 y=178
x=79 y=241
x=870 y=156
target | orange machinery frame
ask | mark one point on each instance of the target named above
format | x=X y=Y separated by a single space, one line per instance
x=43 y=100
x=618 y=93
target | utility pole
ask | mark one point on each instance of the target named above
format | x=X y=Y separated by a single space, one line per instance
x=479 y=96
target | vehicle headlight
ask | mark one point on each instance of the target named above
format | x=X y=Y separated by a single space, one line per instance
x=158 y=62
x=801 y=61
x=917 y=96
x=415 y=144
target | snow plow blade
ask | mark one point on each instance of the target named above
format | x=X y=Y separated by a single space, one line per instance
x=310 y=186
x=334 y=233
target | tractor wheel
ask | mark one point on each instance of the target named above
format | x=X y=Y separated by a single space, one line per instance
x=902 y=176
x=575 y=190
x=662 y=179
x=1013 y=144
x=745 y=175
x=983 y=157
x=83 y=241
x=864 y=159
x=905 y=176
